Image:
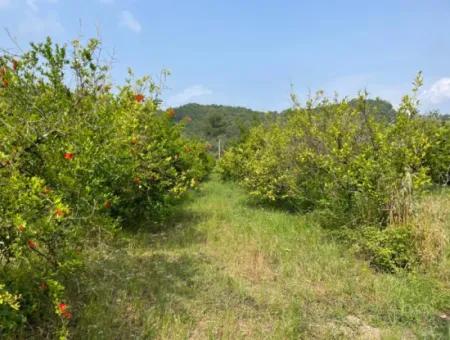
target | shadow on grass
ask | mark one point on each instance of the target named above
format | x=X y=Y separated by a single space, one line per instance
x=178 y=227
x=127 y=294
x=180 y=231
x=144 y=274
x=150 y=280
x=325 y=218
x=120 y=293
x=288 y=207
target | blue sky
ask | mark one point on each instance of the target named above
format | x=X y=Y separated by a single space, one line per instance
x=249 y=52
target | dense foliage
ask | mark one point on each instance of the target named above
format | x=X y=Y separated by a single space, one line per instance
x=348 y=161
x=219 y=122
x=76 y=159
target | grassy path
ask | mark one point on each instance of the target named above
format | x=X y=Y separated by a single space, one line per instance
x=227 y=270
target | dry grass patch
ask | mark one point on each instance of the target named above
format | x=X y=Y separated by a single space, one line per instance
x=431 y=225
x=251 y=264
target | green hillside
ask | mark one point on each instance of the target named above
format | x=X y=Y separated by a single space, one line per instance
x=219 y=122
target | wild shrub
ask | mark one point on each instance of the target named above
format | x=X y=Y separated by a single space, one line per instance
x=389 y=249
x=421 y=242
x=77 y=158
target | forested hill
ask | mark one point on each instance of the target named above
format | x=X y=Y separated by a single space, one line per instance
x=219 y=122
x=229 y=123
x=382 y=109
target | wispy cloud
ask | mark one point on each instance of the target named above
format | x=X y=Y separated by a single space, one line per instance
x=128 y=20
x=188 y=94
x=35 y=26
x=4 y=3
x=438 y=92
x=34 y=4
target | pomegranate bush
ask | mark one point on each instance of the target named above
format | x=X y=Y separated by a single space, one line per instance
x=77 y=158
x=353 y=169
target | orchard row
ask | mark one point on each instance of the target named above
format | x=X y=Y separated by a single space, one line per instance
x=78 y=158
x=359 y=171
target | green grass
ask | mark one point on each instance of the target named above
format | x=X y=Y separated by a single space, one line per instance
x=225 y=269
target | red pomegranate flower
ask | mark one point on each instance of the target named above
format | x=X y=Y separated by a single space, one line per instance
x=59 y=212
x=69 y=156
x=139 y=98
x=31 y=244
x=63 y=311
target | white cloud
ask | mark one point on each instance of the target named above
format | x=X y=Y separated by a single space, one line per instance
x=36 y=27
x=128 y=20
x=33 y=4
x=188 y=95
x=438 y=91
x=4 y=3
